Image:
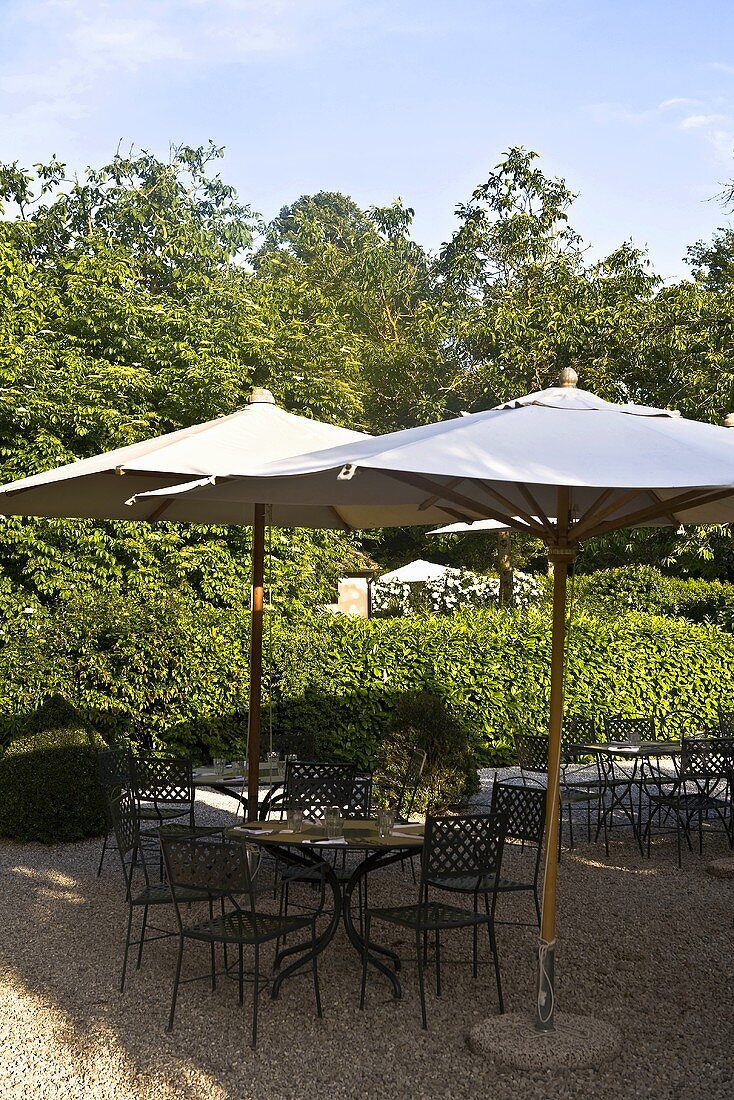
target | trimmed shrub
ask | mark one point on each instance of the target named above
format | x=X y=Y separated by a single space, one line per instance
x=49 y=789
x=421 y=720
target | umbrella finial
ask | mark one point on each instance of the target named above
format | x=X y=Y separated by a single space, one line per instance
x=260 y=396
x=568 y=377
x=729 y=420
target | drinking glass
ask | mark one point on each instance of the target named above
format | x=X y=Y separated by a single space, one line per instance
x=295 y=820
x=333 y=822
x=219 y=763
x=385 y=821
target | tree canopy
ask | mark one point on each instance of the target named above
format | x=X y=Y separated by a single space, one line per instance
x=144 y=295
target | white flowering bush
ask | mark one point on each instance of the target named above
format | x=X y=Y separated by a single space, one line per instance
x=457 y=588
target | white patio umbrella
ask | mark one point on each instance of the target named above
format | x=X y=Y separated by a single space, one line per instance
x=98 y=488
x=416 y=572
x=563 y=464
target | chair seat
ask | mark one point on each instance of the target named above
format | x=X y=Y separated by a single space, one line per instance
x=432 y=915
x=468 y=884
x=245 y=927
x=689 y=802
x=159 y=893
x=162 y=813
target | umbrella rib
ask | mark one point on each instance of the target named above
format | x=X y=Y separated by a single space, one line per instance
x=654 y=512
x=432 y=500
x=593 y=508
x=424 y=483
x=531 y=522
x=537 y=510
x=594 y=514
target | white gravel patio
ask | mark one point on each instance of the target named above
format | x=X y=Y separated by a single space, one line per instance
x=641 y=944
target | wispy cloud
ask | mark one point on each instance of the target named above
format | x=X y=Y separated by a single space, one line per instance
x=701 y=122
x=68 y=52
x=714 y=128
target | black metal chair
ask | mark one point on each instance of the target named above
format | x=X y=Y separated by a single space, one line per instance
x=401 y=792
x=629 y=728
x=701 y=789
x=532 y=758
x=457 y=849
x=221 y=872
x=164 y=790
x=124 y=818
x=113 y=774
x=523 y=808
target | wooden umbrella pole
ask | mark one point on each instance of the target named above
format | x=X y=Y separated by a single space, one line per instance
x=561 y=557
x=256 y=662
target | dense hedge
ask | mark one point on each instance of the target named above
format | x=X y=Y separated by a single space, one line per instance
x=49 y=789
x=179 y=678
x=643 y=588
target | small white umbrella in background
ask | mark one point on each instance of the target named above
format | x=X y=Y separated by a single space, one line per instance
x=416 y=572
x=99 y=487
x=562 y=464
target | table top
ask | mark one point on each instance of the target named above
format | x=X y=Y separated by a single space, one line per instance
x=235 y=776
x=359 y=833
x=631 y=748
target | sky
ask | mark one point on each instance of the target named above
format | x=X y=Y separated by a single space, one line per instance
x=630 y=101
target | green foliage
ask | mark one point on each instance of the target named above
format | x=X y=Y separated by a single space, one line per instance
x=613 y=592
x=48 y=786
x=421 y=720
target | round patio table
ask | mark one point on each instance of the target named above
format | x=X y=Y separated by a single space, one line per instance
x=307 y=849
x=232 y=781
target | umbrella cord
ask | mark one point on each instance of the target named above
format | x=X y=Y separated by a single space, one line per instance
x=270 y=626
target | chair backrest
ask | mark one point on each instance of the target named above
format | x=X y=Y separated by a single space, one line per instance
x=706 y=760
x=156 y=778
x=313 y=787
x=578 y=729
x=215 y=868
x=462 y=846
x=113 y=770
x=523 y=809
x=532 y=752
x=124 y=820
x=360 y=804
x=410 y=782
x=631 y=728
x=726 y=722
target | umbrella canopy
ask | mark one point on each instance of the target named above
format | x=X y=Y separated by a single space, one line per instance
x=624 y=465
x=92 y=488
x=417 y=571
x=477 y=527
x=98 y=488
x=561 y=463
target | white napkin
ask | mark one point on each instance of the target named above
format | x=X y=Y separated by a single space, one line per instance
x=252 y=832
x=330 y=840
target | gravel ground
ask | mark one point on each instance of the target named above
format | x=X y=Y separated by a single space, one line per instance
x=640 y=944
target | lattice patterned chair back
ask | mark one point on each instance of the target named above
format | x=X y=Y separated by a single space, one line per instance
x=578 y=729
x=360 y=804
x=160 y=779
x=462 y=847
x=216 y=868
x=726 y=723
x=313 y=786
x=523 y=809
x=707 y=762
x=113 y=770
x=124 y=819
x=630 y=728
x=532 y=752
x=410 y=783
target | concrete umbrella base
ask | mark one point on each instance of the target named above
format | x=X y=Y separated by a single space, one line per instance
x=578 y=1042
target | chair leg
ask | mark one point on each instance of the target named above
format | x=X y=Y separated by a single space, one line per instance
x=315 y=969
x=475 y=935
x=127 y=948
x=495 y=954
x=212 y=948
x=255 y=996
x=366 y=941
x=142 y=937
x=101 y=858
x=421 y=984
x=175 y=983
x=241 y=976
x=438 y=962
